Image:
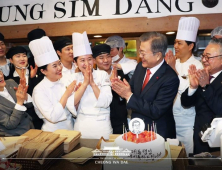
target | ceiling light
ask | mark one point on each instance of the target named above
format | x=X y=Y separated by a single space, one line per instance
x=97 y=36
x=205 y=34
x=169 y=33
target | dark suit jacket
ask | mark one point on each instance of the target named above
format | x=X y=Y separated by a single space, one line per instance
x=118 y=111
x=13 y=122
x=155 y=102
x=208 y=105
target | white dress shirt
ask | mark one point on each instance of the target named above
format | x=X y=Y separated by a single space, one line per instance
x=153 y=70
x=46 y=97
x=7 y=96
x=15 y=74
x=5 y=68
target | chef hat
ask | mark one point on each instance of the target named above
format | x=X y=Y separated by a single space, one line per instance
x=115 y=41
x=100 y=49
x=61 y=43
x=2 y=38
x=81 y=45
x=216 y=31
x=36 y=34
x=43 y=51
x=187 y=29
x=15 y=50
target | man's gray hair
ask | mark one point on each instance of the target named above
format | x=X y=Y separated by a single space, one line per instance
x=217 y=42
x=158 y=41
x=216 y=31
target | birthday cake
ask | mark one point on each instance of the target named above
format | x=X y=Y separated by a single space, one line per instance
x=146 y=146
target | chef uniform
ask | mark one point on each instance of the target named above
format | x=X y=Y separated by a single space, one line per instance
x=184 y=117
x=47 y=94
x=93 y=120
x=58 y=46
x=118 y=111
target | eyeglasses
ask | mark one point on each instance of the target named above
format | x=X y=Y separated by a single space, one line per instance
x=144 y=54
x=207 y=57
x=216 y=39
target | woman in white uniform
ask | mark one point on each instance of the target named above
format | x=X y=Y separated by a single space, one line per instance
x=53 y=101
x=184 y=45
x=93 y=120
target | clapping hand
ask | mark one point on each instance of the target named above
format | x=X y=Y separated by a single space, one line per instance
x=192 y=77
x=91 y=80
x=71 y=88
x=170 y=59
x=114 y=73
x=33 y=71
x=77 y=87
x=21 y=90
x=117 y=66
x=202 y=77
x=86 y=74
x=122 y=88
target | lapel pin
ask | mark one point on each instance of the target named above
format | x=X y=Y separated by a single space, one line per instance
x=157 y=78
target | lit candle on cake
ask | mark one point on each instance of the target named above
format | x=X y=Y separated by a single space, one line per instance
x=155 y=130
x=126 y=133
x=151 y=133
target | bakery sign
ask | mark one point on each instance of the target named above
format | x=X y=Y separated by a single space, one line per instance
x=44 y=11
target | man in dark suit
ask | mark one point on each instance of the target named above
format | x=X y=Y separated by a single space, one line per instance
x=205 y=92
x=153 y=86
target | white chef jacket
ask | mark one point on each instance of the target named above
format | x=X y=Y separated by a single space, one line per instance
x=184 y=117
x=68 y=72
x=68 y=75
x=88 y=103
x=93 y=118
x=128 y=65
x=46 y=96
